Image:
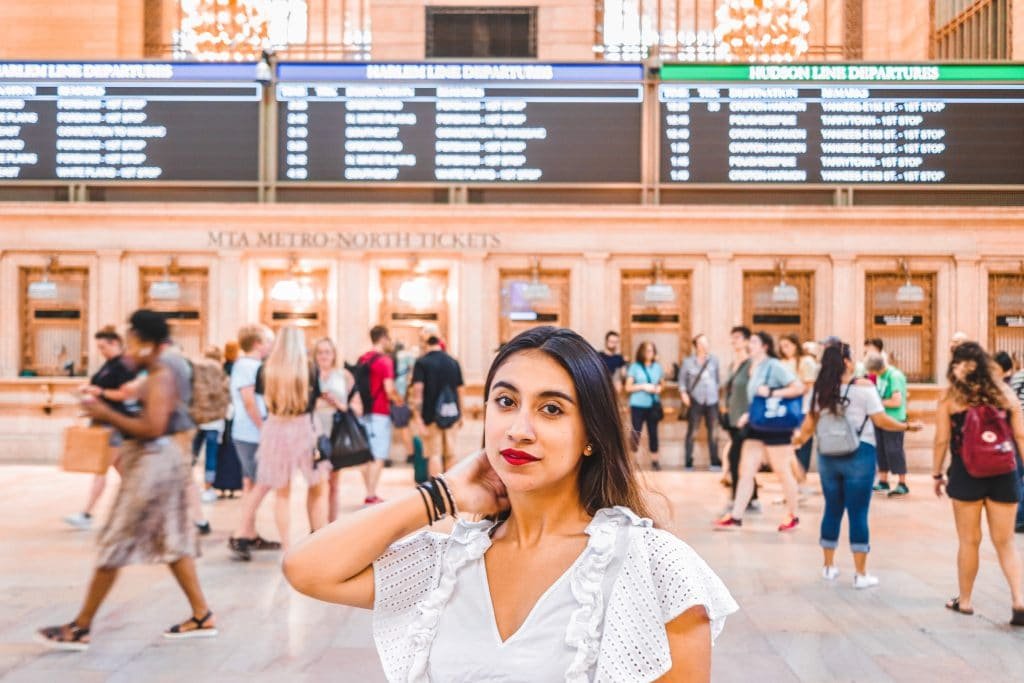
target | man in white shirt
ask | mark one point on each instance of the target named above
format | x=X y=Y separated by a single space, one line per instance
x=249 y=412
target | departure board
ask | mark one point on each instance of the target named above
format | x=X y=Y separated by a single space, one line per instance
x=129 y=121
x=460 y=123
x=842 y=124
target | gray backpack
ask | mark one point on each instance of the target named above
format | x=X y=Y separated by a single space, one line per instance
x=833 y=432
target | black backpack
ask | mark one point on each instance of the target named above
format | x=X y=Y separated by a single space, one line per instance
x=361 y=374
x=446 y=410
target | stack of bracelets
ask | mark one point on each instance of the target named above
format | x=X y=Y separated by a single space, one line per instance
x=437 y=499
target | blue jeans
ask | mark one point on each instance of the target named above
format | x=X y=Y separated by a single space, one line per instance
x=211 y=437
x=846 y=482
x=803 y=454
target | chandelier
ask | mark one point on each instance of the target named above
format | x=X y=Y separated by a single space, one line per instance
x=225 y=30
x=763 y=30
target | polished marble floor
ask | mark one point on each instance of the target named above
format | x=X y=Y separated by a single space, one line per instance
x=792 y=626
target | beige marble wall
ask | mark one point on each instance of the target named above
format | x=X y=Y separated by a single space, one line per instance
x=69 y=29
x=595 y=244
x=896 y=31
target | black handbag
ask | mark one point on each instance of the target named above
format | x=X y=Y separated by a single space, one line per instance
x=349 y=443
x=401 y=415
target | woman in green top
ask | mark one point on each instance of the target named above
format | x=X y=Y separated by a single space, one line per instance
x=644 y=384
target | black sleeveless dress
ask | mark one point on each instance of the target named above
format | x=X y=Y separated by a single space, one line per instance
x=1004 y=488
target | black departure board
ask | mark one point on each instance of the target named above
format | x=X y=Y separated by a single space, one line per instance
x=459 y=123
x=842 y=124
x=129 y=121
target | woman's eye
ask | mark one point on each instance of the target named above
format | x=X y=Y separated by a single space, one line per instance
x=504 y=401
x=551 y=409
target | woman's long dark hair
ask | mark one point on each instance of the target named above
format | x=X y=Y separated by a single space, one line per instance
x=982 y=386
x=829 y=385
x=608 y=476
x=769 y=343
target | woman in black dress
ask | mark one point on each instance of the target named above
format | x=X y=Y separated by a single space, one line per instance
x=974 y=382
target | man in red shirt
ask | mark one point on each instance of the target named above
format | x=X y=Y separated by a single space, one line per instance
x=377 y=419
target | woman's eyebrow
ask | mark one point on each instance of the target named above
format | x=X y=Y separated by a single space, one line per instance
x=557 y=394
x=550 y=393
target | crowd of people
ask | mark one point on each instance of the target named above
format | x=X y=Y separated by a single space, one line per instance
x=268 y=407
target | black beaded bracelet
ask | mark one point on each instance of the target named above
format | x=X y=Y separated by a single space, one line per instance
x=437 y=498
x=440 y=480
x=426 y=506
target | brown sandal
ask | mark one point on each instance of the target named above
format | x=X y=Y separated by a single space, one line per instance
x=66 y=637
x=199 y=630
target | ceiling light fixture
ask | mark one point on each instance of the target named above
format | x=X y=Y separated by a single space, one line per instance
x=909 y=293
x=784 y=293
x=166 y=289
x=535 y=290
x=44 y=290
x=658 y=292
x=773 y=31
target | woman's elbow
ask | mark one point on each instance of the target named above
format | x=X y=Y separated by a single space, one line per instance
x=298 y=572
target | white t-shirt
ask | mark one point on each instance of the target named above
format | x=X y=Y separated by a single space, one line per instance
x=863 y=402
x=603 y=620
x=243 y=374
x=336 y=387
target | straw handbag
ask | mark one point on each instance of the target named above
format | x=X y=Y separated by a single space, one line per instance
x=86 y=449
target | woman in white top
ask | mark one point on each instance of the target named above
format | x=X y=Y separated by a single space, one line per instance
x=847 y=478
x=565 y=578
x=334 y=384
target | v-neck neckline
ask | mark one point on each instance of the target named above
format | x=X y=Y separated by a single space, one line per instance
x=486 y=581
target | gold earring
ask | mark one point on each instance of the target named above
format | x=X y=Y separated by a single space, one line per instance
x=588 y=451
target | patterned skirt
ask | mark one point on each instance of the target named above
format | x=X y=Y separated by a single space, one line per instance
x=286 y=445
x=149 y=522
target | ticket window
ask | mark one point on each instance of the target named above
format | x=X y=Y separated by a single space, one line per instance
x=410 y=300
x=905 y=326
x=779 y=303
x=660 y=315
x=1006 y=315
x=181 y=295
x=531 y=298
x=295 y=298
x=54 y=320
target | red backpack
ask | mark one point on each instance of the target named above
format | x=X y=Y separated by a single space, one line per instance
x=987 y=449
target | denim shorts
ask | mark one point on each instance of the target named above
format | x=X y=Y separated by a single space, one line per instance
x=378 y=427
x=247 y=458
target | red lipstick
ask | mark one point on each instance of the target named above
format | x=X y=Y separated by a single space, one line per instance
x=517 y=458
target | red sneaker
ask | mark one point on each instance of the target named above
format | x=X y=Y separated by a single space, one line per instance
x=790 y=525
x=372 y=500
x=727 y=523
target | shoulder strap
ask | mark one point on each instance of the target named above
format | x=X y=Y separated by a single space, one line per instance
x=867 y=417
x=696 y=380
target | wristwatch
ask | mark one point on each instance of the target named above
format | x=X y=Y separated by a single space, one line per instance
x=938 y=477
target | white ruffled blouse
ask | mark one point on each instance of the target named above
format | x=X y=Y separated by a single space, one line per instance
x=433 y=618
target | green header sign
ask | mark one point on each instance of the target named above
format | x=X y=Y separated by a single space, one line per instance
x=863 y=73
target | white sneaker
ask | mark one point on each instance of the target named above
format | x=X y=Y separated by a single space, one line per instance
x=830 y=573
x=79 y=520
x=864 y=581
x=754 y=506
x=208 y=496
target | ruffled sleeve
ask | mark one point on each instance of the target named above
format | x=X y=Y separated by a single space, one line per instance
x=661 y=577
x=682 y=579
x=403 y=576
